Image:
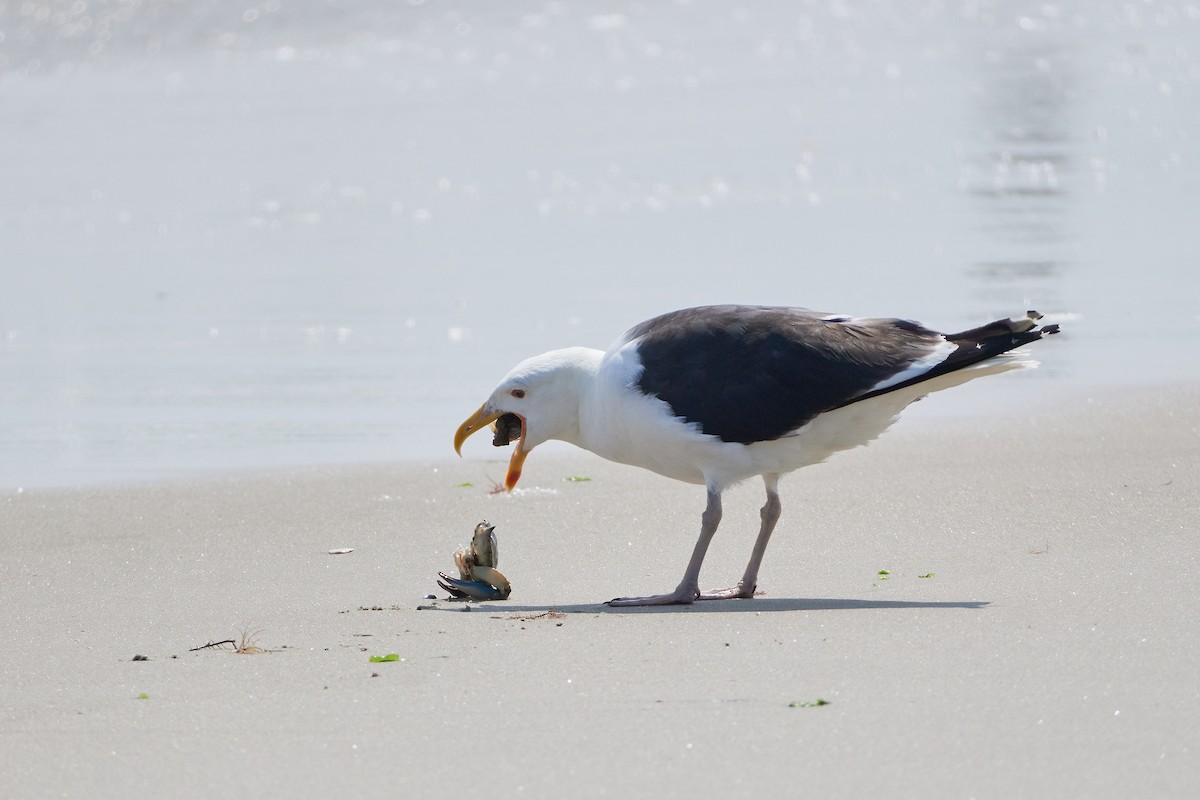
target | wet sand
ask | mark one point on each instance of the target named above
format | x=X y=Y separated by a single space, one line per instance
x=1033 y=636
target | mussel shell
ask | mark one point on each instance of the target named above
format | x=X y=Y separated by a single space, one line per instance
x=508 y=428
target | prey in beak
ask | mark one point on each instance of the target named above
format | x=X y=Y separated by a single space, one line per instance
x=505 y=426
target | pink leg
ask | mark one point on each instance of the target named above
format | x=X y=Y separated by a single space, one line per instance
x=689 y=588
x=770 y=515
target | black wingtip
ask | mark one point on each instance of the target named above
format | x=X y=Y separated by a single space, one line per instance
x=1031 y=317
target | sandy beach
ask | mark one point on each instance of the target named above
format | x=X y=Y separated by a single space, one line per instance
x=1033 y=636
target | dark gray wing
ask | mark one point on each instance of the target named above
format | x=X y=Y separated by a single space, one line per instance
x=755 y=373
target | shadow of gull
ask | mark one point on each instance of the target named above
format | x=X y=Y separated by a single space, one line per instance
x=770 y=604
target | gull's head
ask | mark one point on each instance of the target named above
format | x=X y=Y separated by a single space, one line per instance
x=537 y=401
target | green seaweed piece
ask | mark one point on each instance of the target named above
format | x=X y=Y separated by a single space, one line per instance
x=382 y=659
x=820 y=701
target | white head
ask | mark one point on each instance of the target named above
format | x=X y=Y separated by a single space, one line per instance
x=543 y=393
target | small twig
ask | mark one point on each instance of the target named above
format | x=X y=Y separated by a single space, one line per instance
x=212 y=644
x=551 y=614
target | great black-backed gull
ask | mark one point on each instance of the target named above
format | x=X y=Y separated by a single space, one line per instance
x=718 y=394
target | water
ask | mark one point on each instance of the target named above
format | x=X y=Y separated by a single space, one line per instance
x=282 y=233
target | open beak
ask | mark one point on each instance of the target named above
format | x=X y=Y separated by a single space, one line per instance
x=480 y=420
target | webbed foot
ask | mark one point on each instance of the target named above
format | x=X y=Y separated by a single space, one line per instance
x=681 y=596
x=736 y=591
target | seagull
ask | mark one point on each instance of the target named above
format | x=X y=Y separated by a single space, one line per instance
x=715 y=395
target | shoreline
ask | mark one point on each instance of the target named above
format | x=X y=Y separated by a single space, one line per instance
x=928 y=414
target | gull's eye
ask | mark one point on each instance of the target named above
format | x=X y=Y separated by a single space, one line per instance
x=518 y=393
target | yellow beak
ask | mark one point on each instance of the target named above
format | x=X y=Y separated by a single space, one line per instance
x=481 y=419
